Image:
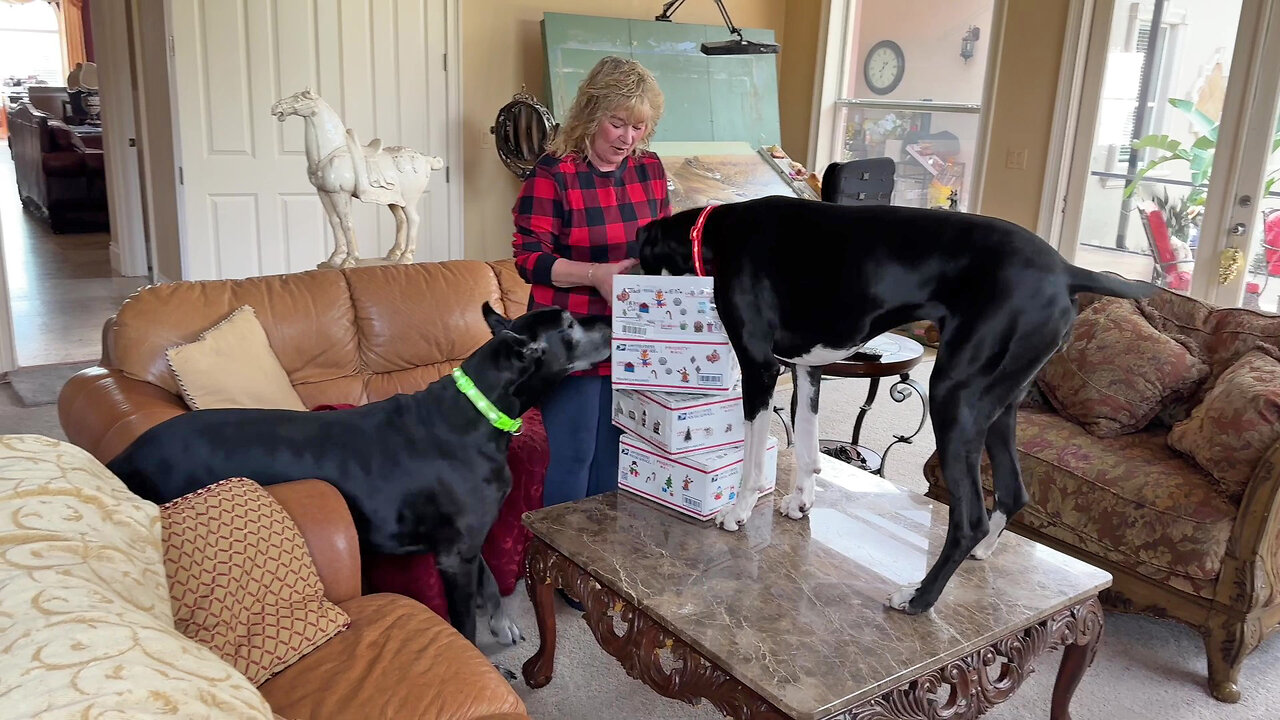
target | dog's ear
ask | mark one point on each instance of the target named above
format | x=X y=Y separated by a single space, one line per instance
x=525 y=354
x=648 y=237
x=495 y=320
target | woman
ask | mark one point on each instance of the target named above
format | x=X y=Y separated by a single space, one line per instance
x=575 y=228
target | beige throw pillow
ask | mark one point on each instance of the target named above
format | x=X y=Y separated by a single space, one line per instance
x=232 y=365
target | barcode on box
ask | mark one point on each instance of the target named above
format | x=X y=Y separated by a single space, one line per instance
x=716 y=379
x=628 y=329
x=692 y=503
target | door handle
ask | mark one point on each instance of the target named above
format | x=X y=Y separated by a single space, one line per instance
x=1229 y=263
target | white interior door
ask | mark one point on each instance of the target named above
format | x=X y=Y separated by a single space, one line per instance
x=124 y=194
x=247 y=206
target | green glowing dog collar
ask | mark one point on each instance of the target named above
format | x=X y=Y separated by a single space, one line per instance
x=496 y=417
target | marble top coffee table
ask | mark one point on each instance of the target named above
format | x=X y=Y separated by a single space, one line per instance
x=786 y=619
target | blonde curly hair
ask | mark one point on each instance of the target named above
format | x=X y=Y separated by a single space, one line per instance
x=614 y=85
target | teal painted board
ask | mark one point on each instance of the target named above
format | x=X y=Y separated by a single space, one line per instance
x=742 y=90
x=670 y=52
x=727 y=99
x=579 y=46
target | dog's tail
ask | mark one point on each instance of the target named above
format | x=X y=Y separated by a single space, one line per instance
x=1081 y=280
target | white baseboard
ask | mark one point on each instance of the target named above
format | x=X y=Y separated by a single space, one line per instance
x=117 y=262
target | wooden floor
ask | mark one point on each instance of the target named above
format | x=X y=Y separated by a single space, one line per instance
x=61 y=288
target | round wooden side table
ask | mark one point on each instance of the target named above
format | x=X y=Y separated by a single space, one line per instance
x=898 y=356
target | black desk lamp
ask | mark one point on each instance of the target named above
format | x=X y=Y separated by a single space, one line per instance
x=723 y=47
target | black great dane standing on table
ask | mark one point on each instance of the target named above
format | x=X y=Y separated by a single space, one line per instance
x=807 y=283
x=421 y=473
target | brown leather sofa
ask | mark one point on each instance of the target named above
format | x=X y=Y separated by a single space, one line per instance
x=60 y=175
x=397 y=659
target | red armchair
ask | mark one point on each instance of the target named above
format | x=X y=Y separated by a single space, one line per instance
x=1167 y=269
x=60 y=175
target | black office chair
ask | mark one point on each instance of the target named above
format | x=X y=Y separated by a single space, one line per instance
x=859 y=182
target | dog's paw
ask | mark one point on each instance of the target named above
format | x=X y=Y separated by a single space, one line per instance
x=392 y=256
x=405 y=258
x=507 y=675
x=901 y=598
x=504 y=629
x=734 y=516
x=795 y=506
x=987 y=545
x=349 y=262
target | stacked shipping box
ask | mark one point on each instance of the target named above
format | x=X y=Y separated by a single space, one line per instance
x=676 y=396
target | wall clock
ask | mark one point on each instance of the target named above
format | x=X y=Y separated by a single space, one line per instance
x=884 y=67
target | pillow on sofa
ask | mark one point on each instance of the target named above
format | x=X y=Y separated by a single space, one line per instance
x=232 y=365
x=1236 y=424
x=242 y=581
x=85 y=619
x=1117 y=371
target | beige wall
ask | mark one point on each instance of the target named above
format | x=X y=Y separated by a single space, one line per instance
x=502 y=49
x=797 y=73
x=1026 y=83
x=929 y=34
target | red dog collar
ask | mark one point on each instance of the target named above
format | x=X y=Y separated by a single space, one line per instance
x=695 y=238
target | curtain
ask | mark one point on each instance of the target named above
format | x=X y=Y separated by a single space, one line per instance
x=71 y=29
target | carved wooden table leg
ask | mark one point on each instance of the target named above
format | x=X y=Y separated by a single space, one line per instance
x=971 y=685
x=647 y=650
x=1077 y=656
x=538 y=560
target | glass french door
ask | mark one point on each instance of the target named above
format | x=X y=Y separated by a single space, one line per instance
x=1180 y=100
x=914 y=73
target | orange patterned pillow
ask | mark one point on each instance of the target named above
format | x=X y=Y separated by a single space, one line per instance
x=1117 y=371
x=241 y=580
x=1235 y=425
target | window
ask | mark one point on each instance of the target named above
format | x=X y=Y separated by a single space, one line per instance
x=29 y=43
x=926 y=116
x=1137 y=39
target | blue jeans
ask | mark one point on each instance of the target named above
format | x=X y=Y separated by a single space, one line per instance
x=583 y=440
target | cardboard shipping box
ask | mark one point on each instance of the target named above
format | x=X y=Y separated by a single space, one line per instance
x=663 y=307
x=675 y=365
x=698 y=485
x=680 y=423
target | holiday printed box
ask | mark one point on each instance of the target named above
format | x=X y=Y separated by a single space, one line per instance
x=680 y=423
x=663 y=307
x=698 y=485
x=681 y=366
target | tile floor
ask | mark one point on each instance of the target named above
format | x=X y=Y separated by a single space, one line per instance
x=61 y=287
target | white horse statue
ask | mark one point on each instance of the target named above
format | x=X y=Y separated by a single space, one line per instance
x=392 y=176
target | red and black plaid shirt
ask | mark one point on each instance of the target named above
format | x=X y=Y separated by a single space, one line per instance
x=569 y=209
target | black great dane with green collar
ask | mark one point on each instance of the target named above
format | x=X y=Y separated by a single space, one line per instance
x=422 y=473
x=808 y=283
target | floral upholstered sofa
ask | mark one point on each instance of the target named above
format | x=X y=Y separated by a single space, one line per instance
x=1149 y=448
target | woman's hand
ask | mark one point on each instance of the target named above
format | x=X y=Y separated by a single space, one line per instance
x=601 y=275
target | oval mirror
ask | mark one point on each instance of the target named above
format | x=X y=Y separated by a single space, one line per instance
x=521 y=133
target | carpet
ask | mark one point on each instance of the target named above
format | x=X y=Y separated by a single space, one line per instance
x=1145 y=668
x=40 y=384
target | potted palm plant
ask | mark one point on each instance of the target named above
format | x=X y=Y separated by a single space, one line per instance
x=1198 y=155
